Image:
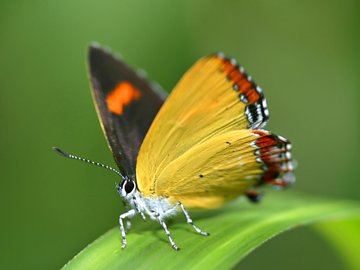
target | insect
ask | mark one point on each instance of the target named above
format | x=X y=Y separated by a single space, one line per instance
x=201 y=147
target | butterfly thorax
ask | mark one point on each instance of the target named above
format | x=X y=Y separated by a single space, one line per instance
x=154 y=207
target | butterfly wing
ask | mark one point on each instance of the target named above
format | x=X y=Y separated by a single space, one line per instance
x=126 y=104
x=225 y=166
x=202 y=146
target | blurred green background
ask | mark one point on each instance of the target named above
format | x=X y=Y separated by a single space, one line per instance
x=304 y=54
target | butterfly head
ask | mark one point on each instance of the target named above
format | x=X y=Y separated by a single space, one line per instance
x=126 y=188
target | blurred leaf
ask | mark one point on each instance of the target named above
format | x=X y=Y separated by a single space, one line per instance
x=344 y=235
x=236 y=230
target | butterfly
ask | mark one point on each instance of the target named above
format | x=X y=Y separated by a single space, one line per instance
x=201 y=147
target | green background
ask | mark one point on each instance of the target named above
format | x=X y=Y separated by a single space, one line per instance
x=304 y=54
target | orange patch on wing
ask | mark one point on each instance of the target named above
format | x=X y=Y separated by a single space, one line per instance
x=240 y=80
x=122 y=95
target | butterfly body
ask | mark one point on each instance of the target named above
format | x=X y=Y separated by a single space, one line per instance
x=201 y=148
x=156 y=207
x=153 y=207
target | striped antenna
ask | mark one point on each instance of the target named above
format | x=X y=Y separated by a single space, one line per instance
x=63 y=153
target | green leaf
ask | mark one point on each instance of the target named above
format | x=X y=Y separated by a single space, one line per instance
x=344 y=236
x=236 y=230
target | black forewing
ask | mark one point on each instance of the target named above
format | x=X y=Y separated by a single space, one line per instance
x=125 y=132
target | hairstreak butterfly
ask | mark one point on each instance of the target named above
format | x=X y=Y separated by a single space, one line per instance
x=201 y=148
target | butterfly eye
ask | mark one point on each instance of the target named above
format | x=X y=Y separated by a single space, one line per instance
x=128 y=186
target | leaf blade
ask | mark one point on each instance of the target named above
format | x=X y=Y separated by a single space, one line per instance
x=236 y=231
x=344 y=236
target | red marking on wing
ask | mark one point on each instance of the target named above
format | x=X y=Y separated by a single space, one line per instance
x=122 y=95
x=241 y=81
x=275 y=153
x=246 y=90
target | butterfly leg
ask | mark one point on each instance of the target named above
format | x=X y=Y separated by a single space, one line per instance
x=189 y=221
x=138 y=209
x=172 y=243
x=129 y=214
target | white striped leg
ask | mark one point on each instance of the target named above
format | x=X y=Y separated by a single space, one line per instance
x=172 y=243
x=129 y=214
x=137 y=208
x=189 y=221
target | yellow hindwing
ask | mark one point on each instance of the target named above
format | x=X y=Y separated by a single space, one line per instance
x=213 y=172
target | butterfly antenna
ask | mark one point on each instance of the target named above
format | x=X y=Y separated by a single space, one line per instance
x=63 y=153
